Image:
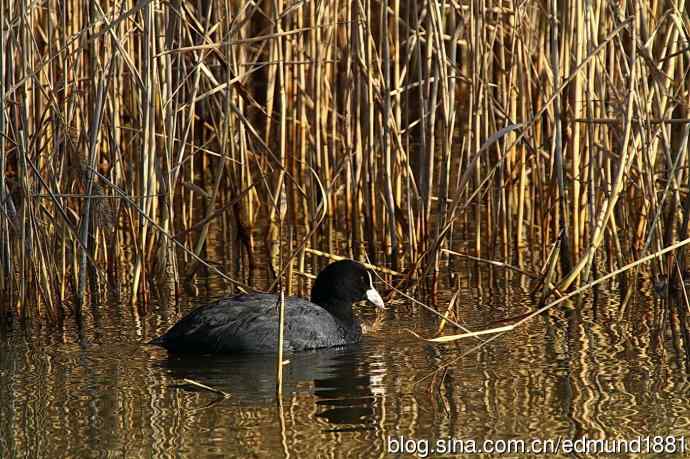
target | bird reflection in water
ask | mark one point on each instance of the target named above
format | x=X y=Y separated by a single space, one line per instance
x=339 y=377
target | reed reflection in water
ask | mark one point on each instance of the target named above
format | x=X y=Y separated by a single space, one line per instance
x=575 y=372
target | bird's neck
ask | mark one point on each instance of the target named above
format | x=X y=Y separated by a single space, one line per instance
x=340 y=310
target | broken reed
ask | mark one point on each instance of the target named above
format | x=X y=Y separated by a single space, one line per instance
x=131 y=132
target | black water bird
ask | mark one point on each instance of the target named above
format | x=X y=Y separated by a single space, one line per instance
x=249 y=322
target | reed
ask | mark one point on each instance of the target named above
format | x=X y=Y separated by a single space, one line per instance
x=142 y=141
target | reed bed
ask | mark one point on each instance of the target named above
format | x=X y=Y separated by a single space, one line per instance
x=133 y=133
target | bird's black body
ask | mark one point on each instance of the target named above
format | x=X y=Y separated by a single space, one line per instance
x=250 y=322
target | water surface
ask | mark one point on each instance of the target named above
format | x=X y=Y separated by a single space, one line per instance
x=597 y=370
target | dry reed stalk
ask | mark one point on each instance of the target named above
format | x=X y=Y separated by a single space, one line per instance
x=607 y=211
x=577 y=291
x=281 y=338
x=579 y=41
x=369 y=174
x=5 y=215
x=386 y=145
x=332 y=256
x=557 y=147
x=491 y=262
x=225 y=106
x=169 y=237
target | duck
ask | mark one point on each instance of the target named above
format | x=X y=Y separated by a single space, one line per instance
x=249 y=323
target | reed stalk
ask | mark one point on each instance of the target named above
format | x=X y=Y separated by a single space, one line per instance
x=281 y=339
x=217 y=134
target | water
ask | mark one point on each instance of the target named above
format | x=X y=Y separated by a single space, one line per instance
x=600 y=371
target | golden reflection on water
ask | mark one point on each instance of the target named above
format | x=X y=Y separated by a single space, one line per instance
x=592 y=371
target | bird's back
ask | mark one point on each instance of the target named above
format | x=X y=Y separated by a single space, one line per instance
x=249 y=323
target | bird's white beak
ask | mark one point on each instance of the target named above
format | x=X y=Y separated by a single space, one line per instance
x=374 y=298
x=373 y=295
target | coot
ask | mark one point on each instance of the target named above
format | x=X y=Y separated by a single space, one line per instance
x=249 y=323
